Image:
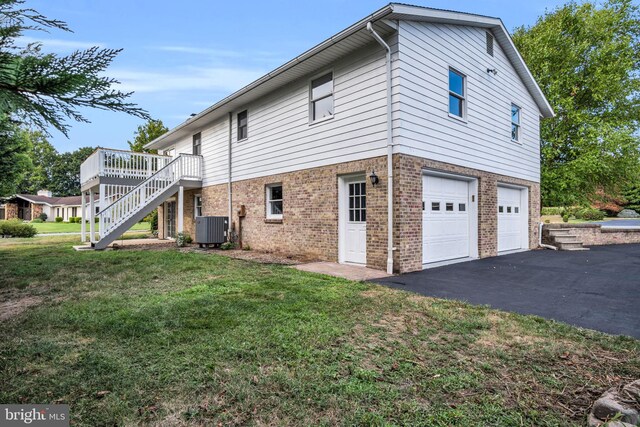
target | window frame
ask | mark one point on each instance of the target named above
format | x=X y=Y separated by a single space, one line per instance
x=246 y=125
x=462 y=98
x=269 y=200
x=196 y=206
x=518 y=125
x=312 y=101
x=196 y=137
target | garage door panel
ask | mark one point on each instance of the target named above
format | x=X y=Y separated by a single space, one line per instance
x=445 y=219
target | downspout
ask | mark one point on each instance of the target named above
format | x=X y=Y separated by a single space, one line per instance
x=390 y=247
x=543 y=245
x=229 y=192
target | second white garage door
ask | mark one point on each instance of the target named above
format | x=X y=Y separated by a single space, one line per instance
x=445 y=219
x=512 y=219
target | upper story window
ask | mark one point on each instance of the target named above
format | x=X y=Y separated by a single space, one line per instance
x=515 y=122
x=197 y=205
x=489 y=43
x=243 y=129
x=321 y=97
x=457 y=83
x=274 y=201
x=197 y=144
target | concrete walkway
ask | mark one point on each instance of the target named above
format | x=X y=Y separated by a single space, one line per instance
x=345 y=271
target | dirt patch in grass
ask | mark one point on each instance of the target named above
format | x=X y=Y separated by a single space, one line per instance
x=252 y=255
x=14 y=307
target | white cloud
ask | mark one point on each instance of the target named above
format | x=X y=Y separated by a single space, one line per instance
x=200 y=51
x=224 y=79
x=58 y=45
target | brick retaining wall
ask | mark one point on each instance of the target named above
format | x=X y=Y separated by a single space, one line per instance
x=595 y=234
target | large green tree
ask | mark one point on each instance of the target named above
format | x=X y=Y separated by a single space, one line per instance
x=46 y=89
x=586 y=58
x=147 y=133
x=15 y=162
x=43 y=157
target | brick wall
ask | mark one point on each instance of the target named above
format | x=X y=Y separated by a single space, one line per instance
x=36 y=210
x=11 y=211
x=595 y=235
x=161 y=234
x=309 y=227
x=310 y=222
x=408 y=172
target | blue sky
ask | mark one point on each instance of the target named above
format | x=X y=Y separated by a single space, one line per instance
x=182 y=56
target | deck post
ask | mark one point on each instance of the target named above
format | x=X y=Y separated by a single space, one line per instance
x=83 y=217
x=181 y=209
x=92 y=217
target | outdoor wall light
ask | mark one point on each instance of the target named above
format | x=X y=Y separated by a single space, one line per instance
x=374 y=178
x=492 y=70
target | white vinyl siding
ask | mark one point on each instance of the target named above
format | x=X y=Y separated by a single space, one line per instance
x=282 y=140
x=426 y=52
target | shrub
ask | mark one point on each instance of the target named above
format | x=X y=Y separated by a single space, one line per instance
x=58 y=219
x=37 y=221
x=183 y=239
x=565 y=218
x=590 y=214
x=16 y=228
x=43 y=216
x=551 y=211
x=152 y=219
x=227 y=245
x=571 y=211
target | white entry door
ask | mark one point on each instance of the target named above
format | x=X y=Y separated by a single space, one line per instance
x=445 y=219
x=353 y=239
x=511 y=219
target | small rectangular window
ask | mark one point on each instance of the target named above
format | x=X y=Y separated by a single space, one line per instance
x=456 y=93
x=197 y=144
x=358 y=202
x=197 y=205
x=501 y=209
x=435 y=206
x=516 y=209
x=321 y=97
x=449 y=207
x=274 y=201
x=489 y=43
x=462 y=207
x=515 y=122
x=508 y=209
x=243 y=125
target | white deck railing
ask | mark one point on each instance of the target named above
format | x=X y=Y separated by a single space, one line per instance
x=183 y=167
x=121 y=164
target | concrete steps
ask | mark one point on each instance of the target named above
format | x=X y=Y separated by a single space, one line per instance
x=564 y=240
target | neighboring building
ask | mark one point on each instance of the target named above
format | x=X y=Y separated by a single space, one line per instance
x=30 y=206
x=297 y=151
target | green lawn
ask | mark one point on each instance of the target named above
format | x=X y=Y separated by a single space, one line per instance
x=167 y=337
x=65 y=227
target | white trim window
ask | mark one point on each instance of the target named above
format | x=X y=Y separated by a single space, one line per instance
x=243 y=125
x=457 y=93
x=515 y=122
x=321 y=98
x=197 y=205
x=274 y=201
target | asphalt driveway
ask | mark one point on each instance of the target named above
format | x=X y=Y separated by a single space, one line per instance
x=597 y=289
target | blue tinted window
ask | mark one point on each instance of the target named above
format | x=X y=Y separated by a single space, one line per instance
x=455 y=105
x=456 y=83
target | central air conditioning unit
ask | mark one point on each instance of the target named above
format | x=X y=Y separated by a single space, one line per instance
x=211 y=230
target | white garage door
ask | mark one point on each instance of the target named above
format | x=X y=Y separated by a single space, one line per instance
x=445 y=219
x=511 y=215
